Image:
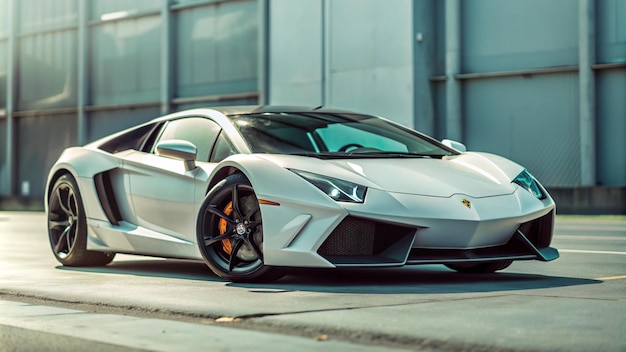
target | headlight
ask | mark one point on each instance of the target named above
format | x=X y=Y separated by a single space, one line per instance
x=528 y=182
x=339 y=190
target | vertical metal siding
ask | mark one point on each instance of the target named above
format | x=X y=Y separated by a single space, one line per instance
x=295 y=58
x=3 y=19
x=99 y=7
x=102 y=122
x=511 y=34
x=125 y=61
x=533 y=121
x=3 y=72
x=611 y=31
x=216 y=49
x=369 y=65
x=37 y=15
x=611 y=127
x=50 y=55
x=369 y=61
x=40 y=141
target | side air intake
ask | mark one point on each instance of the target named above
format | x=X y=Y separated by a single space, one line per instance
x=107 y=197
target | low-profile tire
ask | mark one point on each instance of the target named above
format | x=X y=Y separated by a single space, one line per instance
x=480 y=268
x=230 y=233
x=67 y=226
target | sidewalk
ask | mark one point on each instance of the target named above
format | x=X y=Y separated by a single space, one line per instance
x=106 y=332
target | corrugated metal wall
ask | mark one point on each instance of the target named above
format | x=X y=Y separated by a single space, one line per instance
x=611 y=128
x=370 y=64
x=82 y=69
x=354 y=54
x=519 y=63
x=530 y=118
x=534 y=117
x=213 y=58
x=296 y=54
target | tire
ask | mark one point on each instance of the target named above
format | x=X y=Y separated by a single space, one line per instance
x=480 y=268
x=67 y=226
x=230 y=233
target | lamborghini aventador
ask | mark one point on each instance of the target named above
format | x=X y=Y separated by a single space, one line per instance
x=254 y=190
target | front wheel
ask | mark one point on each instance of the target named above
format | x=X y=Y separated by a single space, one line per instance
x=230 y=232
x=478 y=268
x=67 y=226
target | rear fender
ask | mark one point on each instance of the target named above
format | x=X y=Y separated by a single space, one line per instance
x=83 y=164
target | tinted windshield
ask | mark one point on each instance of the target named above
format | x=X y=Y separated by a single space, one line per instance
x=326 y=134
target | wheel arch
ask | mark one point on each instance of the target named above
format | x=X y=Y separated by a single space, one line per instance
x=222 y=173
x=82 y=164
x=52 y=179
x=248 y=165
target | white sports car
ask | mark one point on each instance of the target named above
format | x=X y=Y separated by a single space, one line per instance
x=253 y=190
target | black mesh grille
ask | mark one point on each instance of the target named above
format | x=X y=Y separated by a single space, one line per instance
x=351 y=237
x=362 y=241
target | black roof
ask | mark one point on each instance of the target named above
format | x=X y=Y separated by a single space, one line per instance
x=256 y=109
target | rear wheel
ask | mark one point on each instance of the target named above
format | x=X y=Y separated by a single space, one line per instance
x=230 y=232
x=485 y=267
x=67 y=226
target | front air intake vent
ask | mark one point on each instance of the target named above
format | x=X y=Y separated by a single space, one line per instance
x=364 y=242
x=539 y=231
x=351 y=237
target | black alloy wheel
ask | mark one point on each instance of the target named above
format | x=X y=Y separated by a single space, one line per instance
x=67 y=226
x=230 y=232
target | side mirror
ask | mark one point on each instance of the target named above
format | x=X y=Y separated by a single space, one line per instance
x=454 y=145
x=180 y=150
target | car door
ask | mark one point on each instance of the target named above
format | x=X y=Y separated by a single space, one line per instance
x=162 y=190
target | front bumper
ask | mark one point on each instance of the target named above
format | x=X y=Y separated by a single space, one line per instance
x=381 y=244
x=398 y=229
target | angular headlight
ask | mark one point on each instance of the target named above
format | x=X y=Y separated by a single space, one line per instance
x=339 y=190
x=528 y=182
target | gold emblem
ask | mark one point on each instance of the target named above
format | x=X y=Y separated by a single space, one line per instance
x=466 y=203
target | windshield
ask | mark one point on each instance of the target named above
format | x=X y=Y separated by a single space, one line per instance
x=332 y=135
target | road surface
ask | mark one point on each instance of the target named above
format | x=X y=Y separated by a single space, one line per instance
x=576 y=303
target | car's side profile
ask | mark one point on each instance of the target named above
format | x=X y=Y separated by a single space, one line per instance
x=253 y=190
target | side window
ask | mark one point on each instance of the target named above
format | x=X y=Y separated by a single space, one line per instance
x=197 y=130
x=223 y=149
x=134 y=139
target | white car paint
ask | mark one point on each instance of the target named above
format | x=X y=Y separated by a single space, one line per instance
x=463 y=201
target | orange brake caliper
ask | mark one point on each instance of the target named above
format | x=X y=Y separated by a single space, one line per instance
x=222 y=225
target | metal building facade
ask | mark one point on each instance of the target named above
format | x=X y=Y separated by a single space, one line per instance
x=540 y=82
x=72 y=71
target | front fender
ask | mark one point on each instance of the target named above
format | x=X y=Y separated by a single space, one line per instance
x=300 y=218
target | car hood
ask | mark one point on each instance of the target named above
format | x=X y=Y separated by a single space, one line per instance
x=473 y=174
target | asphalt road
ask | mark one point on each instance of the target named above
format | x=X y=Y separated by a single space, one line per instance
x=576 y=303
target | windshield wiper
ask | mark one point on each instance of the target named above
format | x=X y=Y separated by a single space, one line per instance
x=388 y=154
x=369 y=154
x=325 y=155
